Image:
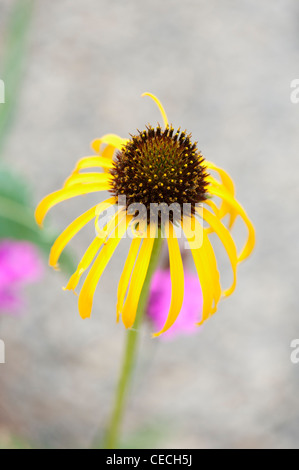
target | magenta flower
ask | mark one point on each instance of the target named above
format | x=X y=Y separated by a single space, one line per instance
x=159 y=301
x=19 y=264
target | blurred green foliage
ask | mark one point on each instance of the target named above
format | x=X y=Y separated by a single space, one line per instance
x=13 y=62
x=16 y=204
x=17 y=216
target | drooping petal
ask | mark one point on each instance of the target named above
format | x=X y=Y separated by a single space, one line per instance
x=228 y=185
x=137 y=281
x=236 y=206
x=101 y=179
x=162 y=110
x=84 y=264
x=212 y=269
x=64 y=238
x=92 y=250
x=206 y=267
x=160 y=298
x=93 y=162
x=177 y=278
x=62 y=195
x=112 y=223
x=204 y=279
x=213 y=206
x=228 y=244
x=109 y=139
x=225 y=178
x=88 y=289
x=126 y=275
x=109 y=151
x=216 y=211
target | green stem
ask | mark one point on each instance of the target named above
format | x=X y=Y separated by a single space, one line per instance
x=112 y=435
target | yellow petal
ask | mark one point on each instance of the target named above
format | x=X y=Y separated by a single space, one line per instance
x=228 y=244
x=126 y=275
x=213 y=206
x=97 y=269
x=204 y=279
x=162 y=111
x=91 y=252
x=216 y=210
x=206 y=267
x=62 y=195
x=111 y=224
x=64 y=238
x=109 y=139
x=177 y=278
x=101 y=179
x=236 y=206
x=93 y=162
x=225 y=178
x=227 y=184
x=212 y=270
x=137 y=281
x=109 y=151
x=84 y=263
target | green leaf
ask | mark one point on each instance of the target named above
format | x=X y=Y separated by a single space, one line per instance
x=17 y=217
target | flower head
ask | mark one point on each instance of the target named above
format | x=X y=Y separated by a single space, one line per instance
x=160 y=167
x=160 y=182
x=19 y=264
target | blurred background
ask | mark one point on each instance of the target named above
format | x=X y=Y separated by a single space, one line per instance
x=74 y=70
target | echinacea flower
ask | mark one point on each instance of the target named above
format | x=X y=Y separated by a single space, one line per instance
x=156 y=168
x=19 y=264
x=159 y=301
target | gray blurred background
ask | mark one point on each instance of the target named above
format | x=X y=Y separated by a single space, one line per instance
x=222 y=70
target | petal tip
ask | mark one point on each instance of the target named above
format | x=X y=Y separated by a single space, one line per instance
x=86 y=314
x=39 y=218
x=54 y=265
x=128 y=324
x=84 y=305
x=155 y=335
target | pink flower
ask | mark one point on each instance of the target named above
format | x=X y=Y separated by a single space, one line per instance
x=19 y=264
x=159 y=301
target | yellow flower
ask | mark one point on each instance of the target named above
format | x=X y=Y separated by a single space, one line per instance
x=156 y=169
